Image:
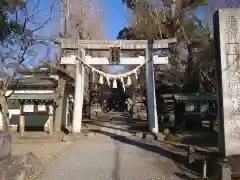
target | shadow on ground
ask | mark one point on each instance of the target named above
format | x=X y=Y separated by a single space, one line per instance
x=189 y=171
x=203 y=139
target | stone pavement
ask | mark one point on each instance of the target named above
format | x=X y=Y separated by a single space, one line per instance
x=105 y=158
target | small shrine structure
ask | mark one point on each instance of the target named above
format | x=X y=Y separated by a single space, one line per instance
x=33 y=99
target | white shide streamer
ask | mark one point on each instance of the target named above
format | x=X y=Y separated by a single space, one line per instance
x=113 y=76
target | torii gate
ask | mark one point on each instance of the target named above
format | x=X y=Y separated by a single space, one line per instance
x=147 y=46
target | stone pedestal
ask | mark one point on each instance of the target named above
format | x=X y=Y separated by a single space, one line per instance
x=5 y=144
x=224 y=170
x=227 y=39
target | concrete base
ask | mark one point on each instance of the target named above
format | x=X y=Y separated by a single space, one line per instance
x=224 y=170
x=140 y=135
x=159 y=137
x=150 y=137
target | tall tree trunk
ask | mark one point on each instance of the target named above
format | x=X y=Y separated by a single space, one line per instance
x=189 y=67
x=4 y=111
x=192 y=74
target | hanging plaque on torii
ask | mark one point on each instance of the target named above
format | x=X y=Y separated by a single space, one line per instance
x=114 y=55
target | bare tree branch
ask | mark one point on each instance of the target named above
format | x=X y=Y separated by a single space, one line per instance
x=18 y=47
x=86 y=20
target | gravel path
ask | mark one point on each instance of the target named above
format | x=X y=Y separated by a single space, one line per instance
x=103 y=158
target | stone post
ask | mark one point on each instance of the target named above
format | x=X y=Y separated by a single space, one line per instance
x=22 y=122
x=50 y=118
x=226 y=31
x=59 y=108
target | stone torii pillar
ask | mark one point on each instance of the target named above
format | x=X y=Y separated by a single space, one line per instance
x=148 y=46
x=79 y=93
x=150 y=86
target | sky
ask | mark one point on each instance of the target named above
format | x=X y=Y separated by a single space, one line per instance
x=116 y=14
x=200 y=13
x=116 y=17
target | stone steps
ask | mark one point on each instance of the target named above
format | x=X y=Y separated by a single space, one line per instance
x=114 y=127
x=119 y=132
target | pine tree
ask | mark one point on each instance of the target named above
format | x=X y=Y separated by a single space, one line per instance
x=154 y=21
x=9 y=6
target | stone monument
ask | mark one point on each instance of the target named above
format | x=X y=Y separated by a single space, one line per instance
x=227 y=39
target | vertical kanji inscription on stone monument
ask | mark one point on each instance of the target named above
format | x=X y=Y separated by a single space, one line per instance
x=227 y=38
